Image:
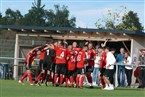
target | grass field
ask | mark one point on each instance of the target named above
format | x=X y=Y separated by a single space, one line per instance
x=11 y=88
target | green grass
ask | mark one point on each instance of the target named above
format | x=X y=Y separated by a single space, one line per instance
x=11 y=88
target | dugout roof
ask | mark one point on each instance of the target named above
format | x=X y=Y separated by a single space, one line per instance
x=45 y=29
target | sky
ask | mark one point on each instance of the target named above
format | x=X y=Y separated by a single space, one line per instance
x=86 y=11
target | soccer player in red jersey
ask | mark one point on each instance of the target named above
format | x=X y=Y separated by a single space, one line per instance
x=28 y=62
x=102 y=65
x=41 y=68
x=80 y=67
x=71 y=60
x=91 y=57
x=75 y=48
x=61 y=54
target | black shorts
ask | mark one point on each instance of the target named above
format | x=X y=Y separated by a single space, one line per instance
x=69 y=73
x=60 y=69
x=80 y=70
x=41 y=64
x=53 y=67
x=102 y=71
x=89 y=68
x=47 y=65
x=109 y=73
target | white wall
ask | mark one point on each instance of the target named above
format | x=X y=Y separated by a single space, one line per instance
x=137 y=43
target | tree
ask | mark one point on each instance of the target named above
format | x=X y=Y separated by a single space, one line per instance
x=11 y=17
x=112 y=19
x=120 y=19
x=59 y=17
x=130 y=22
x=36 y=15
x=0 y=18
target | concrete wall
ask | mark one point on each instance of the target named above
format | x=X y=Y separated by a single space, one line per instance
x=137 y=43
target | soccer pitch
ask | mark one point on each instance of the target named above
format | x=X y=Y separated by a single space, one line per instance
x=11 y=88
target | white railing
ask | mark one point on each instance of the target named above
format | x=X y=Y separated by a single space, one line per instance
x=116 y=75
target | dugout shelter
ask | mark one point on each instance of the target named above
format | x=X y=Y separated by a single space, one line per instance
x=132 y=41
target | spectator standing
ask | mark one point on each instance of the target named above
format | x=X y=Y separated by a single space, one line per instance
x=128 y=68
x=96 y=69
x=121 y=68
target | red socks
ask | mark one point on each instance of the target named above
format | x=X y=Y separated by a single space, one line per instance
x=82 y=80
x=55 y=78
x=70 y=79
x=23 y=77
x=103 y=83
x=89 y=79
x=61 y=79
x=43 y=77
x=77 y=81
x=38 y=77
x=30 y=78
x=66 y=81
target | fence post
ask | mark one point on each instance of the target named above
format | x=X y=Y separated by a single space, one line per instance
x=116 y=76
x=16 y=56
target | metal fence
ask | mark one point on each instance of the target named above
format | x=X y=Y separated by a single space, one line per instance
x=7 y=56
x=7 y=47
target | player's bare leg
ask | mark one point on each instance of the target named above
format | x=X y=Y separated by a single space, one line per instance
x=108 y=86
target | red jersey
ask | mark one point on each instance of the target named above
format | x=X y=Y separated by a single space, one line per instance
x=62 y=53
x=103 y=59
x=30 y=57
x=91 y=56
x=76 y=50
x=55 y=48
x=80 y=59
x=71 y=61
x=42 y=55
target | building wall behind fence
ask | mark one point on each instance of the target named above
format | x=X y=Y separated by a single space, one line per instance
x=7 y=48
x=138 y=42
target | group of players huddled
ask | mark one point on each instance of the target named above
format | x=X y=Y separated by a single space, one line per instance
x=64 y=63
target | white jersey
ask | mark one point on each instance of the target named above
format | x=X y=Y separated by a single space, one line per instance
x=110 y=60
